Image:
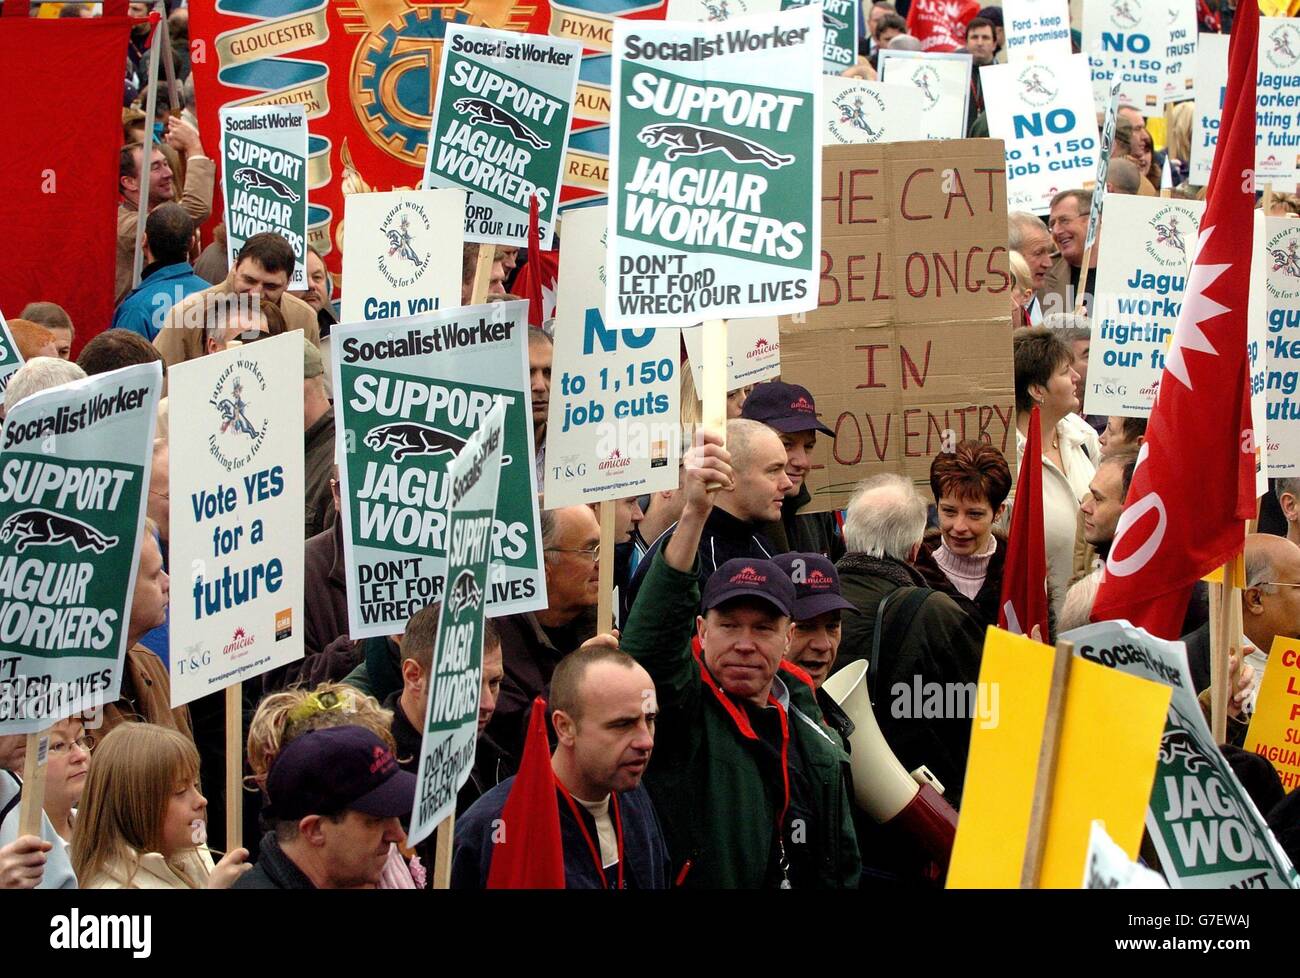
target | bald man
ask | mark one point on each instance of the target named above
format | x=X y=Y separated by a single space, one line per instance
x=1270 y=606
x=741 y=512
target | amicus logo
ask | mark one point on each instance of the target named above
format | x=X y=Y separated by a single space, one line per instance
x=616 y=460
x=763 y=347
x=816 y=579
x=748 y=575
x=239 y=641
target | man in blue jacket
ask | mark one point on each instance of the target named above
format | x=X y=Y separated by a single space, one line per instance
x=167 y=277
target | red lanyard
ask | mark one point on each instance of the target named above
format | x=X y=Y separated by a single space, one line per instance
x=591 y=844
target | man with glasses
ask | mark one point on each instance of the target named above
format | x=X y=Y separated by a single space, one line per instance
x=1068 y=223
x=533 y=643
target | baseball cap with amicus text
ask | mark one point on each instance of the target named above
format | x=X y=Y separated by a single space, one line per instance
x=325 y=772
x=745 y=578
x=783 y=407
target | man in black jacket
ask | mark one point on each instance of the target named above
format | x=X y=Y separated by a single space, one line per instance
x=791 y=412
x=336 y=799
x=736 y=524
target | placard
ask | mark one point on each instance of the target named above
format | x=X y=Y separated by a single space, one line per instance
x=74 y=485
x=1210 y=88
x=753 y=351
x=943 y=79
x=1277 y=104
x=1045 y=115
x=456 y=671
x=237 y=483
x=910 y=346
x=857 y=111
x=1180 y=52
x=1036 y=30
x=840 y=22
x=612 y=430
x=408 y=393
x=1147 y=245
x=1274 y=731
x=501 y=128
x=1277 y=257
x=1206 y=830
x=404 y=253
x=718 y=176
x=264 y=178
x=1125 y=41
x=10 y=358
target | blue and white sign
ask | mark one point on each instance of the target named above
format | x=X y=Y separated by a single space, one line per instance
x=1125 y=40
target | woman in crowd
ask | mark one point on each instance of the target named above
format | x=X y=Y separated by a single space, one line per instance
x=1135 y=146
x=283 y=717
x=1022 y=289
x=66 y=770
x=970 y=486
x=1045 y=379
x=142 y=820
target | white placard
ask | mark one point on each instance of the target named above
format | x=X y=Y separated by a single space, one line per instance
x=1277 y=258
x=1045 y=115
x=1036 y=30
x=1180 y=52
x=1147 y=244
x=1277 y=104
x=1211 y=88
x=402 y=253
x=1126 y=40
x=857 y=111
x=944 y=83
x=236 y=483
x=613 y=422
x=753 y=352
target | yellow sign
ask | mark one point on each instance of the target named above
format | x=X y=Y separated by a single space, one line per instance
x=1275 y=728
x=1106 y=762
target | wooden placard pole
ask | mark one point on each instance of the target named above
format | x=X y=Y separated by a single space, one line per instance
x=605 y=605
x=169 y=69
x=29 y=816
x=1225 y=642
x=234 y=767
x=1048 y=753
x=714 y=395
x=1081 y=291
x=146 y=153
x=442 y=856
x=487 y=256
x=1267 y=201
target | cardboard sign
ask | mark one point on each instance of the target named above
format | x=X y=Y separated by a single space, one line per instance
x=1211 y=86
x=612 y=428
x=73 y=488
x=408 y=393
x=1044 y=113
x=1109 y=867
x=1125 y=41
x=1180 y=52
x=718 y=177
x=1036 y=30
x=1105 y=763
x=1146 y=251
x=857 y=111
x=10 y=358
x=1277 y=107
x=753 y=351
x=264 y=178
x=911 y=341
x=237 y=483
x=455 y=677
x=501 y=127
x=1206 y=830
x=403 y=253
x=1277 y=258
x=1274 y=731
x=840 y=23
x=943 y=79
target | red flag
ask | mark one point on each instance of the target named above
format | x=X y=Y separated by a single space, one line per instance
x=58 y=175
x=940 y=25
x=536 y=279
x=1195 y=480
x=1024 y=580
x=530 y=855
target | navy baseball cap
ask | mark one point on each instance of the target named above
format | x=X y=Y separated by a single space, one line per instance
x=326 y=771
x=816 y=585
x=784 y=407
x=745 y=578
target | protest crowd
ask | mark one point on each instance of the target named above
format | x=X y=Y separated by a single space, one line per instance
x=679 y=710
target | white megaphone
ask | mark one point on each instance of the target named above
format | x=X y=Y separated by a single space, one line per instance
x=881 y=785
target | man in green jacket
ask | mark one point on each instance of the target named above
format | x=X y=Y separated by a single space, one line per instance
x=748 y=780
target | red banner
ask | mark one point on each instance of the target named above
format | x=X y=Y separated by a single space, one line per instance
x=940 y=25
x=61 y=116
x=367 y=72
